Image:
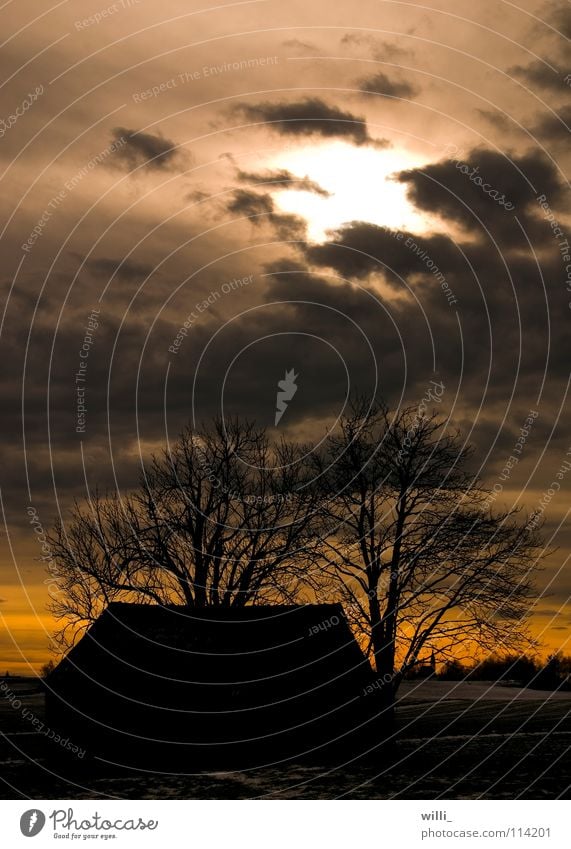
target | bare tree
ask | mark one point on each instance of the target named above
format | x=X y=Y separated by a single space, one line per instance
x=422 y=564
x=221 y=518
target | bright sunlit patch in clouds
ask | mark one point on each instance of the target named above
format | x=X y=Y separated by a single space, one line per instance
x=360 y=184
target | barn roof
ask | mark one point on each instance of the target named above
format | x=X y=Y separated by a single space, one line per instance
x=214 y=645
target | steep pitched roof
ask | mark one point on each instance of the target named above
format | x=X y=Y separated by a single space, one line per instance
x=215 y=645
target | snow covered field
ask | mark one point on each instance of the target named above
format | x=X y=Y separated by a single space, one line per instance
x=455 y=740
x=433 y=691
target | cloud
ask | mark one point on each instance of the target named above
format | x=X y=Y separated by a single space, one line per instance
x=143 y=149
x=494 y=334
x=503 y=347
x=498 y=120
x=560 y=18
x=359 y=248
x=378 y=49
x=312 y=117
x=325 y=331
x=471 y=187
x=381 y=84
x=251 y=204
x=555 y=128
x=260 y=209
x=282 y=179
x=492 y=297
x=538 y=74
x=297 y=44
x=124 y=269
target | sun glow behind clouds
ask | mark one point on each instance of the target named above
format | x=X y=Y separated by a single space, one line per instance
x=359 y=182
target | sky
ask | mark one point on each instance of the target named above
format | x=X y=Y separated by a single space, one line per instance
x=199 y=197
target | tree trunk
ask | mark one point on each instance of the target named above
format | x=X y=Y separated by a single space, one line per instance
x=384 y=664
x=385 y=650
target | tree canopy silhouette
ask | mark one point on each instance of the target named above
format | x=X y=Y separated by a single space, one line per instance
x=220 y=518
x=383 y=516
x=419 y=559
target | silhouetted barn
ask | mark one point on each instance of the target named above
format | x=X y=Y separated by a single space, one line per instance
x=237 y=687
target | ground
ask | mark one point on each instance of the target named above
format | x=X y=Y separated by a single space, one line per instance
x=456 y=740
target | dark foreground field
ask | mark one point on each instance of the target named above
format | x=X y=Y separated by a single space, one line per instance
x=463 y=741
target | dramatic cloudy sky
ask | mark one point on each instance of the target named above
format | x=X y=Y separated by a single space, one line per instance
x=385 y=179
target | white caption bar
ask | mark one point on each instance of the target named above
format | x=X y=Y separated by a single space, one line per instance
x=283 y=824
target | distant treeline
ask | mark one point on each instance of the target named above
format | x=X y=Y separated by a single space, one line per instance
x=524 y=671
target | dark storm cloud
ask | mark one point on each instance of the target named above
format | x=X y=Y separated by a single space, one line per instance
x=124 y=269
x=311 y=117
x=141 y=362
x=484 y=337
x=357 y=249
x=153 y=152
x=475 y=270
x=484 y=184
x=513 y=312
x=282 y=179
x=331 y=334
x=350 y=319
x=538 y=74
x=555 y=128
x=381 y=84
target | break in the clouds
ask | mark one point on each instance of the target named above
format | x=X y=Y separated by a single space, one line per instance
x=311 y=116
